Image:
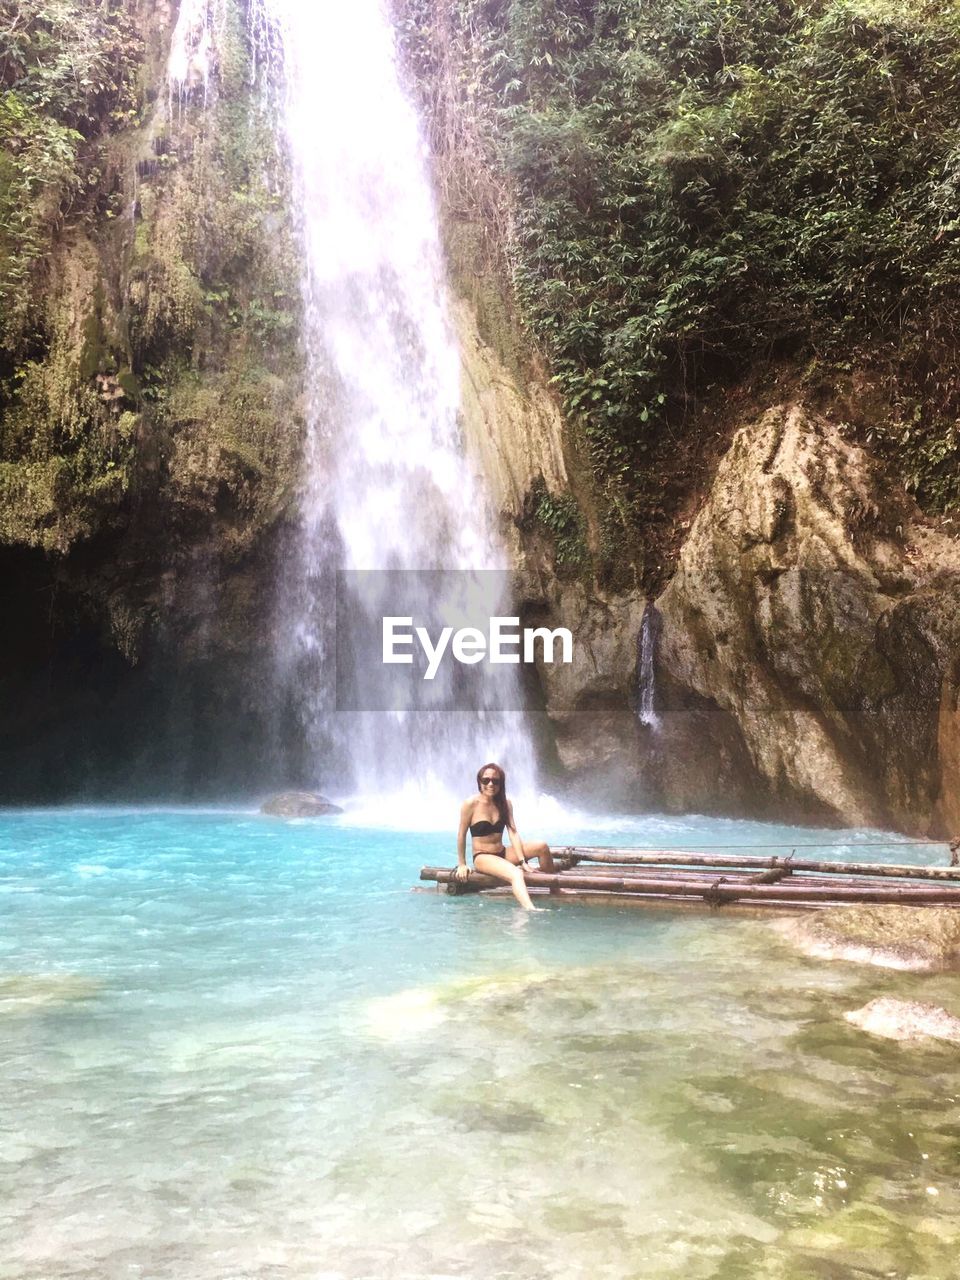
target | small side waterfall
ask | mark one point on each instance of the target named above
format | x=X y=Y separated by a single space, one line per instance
x=646 y=653
x=385 y=486
x=191 y=48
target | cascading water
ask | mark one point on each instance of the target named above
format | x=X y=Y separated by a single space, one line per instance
x=385 y=485
x=191 y=48
x=646 y=687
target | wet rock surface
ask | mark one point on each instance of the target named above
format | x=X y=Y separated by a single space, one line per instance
x=906 y=1020
x=299 y=804
x=512 y=428
x=813 y=624
x=807 y=657
x=891 y=937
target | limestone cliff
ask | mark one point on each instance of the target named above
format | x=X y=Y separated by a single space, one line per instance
x=814 y=622
x=512 y=428
x=808 y=652
x=667 y=245
x=150 y=423
x=515 y=434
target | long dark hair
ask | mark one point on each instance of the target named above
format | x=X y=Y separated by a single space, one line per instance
x=500 y=800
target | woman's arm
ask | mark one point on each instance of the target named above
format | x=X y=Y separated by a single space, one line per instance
x=462 y=869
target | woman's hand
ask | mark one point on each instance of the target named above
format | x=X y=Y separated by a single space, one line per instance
x=462 y=871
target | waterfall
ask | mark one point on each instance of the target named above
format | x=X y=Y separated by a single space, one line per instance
x=385 y=486
x=191 y=48
x=646 y=652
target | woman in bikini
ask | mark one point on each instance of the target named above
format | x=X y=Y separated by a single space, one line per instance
x=485 y=816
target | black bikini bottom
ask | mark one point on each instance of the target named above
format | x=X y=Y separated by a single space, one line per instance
x=500 y=853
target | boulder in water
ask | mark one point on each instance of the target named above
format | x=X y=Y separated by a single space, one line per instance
x=906 y=1020
x=299 y=804
x=893 y=937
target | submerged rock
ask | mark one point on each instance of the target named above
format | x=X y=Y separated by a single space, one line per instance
x=20 y=993
x=498 y=1118
x=906 y=1020
x=865 y=1239
x=299 y=804
x=916 y=938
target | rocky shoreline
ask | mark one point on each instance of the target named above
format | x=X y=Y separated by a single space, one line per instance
x=923 y=940
x=920 y=939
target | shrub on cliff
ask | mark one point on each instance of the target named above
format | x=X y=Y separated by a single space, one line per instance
x=693 y=185
x=67 y=77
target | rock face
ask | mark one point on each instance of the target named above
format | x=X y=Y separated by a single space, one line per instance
x=513 y=436
x=590 y=702
x=299 y=804
x=906 y=1020
x=809 y=655
x=924 y=939
x=811 y=631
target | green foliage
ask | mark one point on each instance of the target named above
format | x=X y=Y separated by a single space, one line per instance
x=233 y=448
x=67 y=74
x=37 y=173
x=71 y=60
x=155 y=353
x=696 y=185
x=924 y=448
x=560 y=517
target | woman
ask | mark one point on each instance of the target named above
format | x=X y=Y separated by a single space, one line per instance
x=485 y=816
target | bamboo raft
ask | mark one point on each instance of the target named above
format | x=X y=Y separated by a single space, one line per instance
x=721 y=878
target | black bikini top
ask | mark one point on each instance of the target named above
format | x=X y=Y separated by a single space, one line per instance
x=482 y=828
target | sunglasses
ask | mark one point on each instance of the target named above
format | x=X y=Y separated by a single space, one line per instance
x=490 y=782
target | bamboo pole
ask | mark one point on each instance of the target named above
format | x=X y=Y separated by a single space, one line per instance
x=718 y=890
x=688 y=858
x=739 y=875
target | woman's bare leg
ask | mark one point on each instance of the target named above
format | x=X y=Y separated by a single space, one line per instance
x=492 y=865
x=541 y=851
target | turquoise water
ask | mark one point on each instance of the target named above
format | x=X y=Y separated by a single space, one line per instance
x=235 y=1046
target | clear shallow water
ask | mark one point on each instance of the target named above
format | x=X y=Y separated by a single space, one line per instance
x=235 y=1046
